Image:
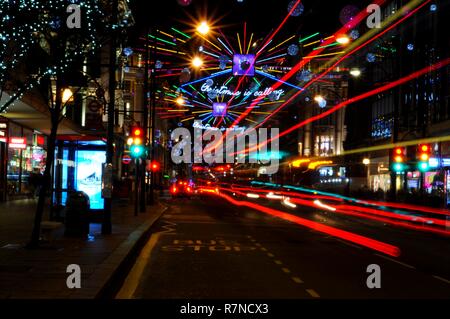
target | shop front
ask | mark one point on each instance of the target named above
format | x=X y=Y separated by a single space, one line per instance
x=23 y=154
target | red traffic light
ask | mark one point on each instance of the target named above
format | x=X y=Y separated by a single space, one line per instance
x=136 y=131
x=424 y=148
x=399 y=151
x=154 y=166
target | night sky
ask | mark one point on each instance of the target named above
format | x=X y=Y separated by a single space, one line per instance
x=261 y=15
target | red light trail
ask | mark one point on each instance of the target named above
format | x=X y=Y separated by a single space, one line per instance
x=352 y=237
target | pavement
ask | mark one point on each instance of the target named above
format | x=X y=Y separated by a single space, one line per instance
x=210 y=249
x=41 y=273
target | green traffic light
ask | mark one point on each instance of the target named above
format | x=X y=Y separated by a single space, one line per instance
x=423 y=166
x=399 y=167
x=137 y=150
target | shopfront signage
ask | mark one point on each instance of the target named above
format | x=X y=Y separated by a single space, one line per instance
x=446 y=162
x=3 y=132
x=18 y=142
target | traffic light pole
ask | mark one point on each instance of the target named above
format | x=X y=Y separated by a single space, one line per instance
x=136 y=187
x=145 y=127
x=152 y=132
x=106 y=223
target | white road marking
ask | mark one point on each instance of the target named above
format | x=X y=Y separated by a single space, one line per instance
x=297 y=280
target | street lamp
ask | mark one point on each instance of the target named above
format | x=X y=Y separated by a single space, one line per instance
x=366 y=161
x=342 y=39
x=355 y=72
x=180 y=100
x=67 y=95
x=320 y=101
x=203 y=28
x=197 y=62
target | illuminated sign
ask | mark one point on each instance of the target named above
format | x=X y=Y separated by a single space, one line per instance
x=224 y=90
x=89 y=176
x=197 y=124
x=126 y=159
x=244 y=64
x=18 y=142
x=219 y=109
x=446 y=162
x=433 y=162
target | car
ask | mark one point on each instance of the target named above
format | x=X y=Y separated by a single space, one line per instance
x=181 y=188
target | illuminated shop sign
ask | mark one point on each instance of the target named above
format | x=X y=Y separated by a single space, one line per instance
x=433 y=162
x=446 y=162
x=18 y=142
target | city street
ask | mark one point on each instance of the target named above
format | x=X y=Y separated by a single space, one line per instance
x=211 y=249
x=290 y=151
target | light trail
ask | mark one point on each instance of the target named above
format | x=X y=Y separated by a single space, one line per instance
x=385 y=248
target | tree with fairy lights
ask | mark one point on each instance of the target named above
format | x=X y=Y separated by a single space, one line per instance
x=42 y=44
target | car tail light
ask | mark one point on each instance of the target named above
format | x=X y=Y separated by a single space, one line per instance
x=189 y=189
x=173 y=190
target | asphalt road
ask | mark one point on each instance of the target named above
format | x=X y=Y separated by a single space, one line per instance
x=209 y=248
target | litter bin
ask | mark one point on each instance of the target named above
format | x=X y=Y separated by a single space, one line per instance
x=76 y=217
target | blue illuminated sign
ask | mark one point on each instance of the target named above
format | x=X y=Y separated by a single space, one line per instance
x=219 y=109
x=244 y=64
x=89 y=176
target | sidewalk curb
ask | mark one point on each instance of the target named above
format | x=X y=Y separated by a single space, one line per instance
x=110 y=271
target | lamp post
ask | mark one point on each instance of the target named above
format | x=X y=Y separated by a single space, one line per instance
x=366 y=161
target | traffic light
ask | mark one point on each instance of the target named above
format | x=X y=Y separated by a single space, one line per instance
x=398 y=159
x=423 y=156
x=154 y=166
x=135 y=141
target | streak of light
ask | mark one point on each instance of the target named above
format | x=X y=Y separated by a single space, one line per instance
x=239 y=42
x=311 y=43
x=189 y=118
x=250 y=43
x=278 y=80
x=162 y=40
x=171 y=36
x=211 y=54
x=339 y=233
x=208 y=77
x=225 y=46
x=281 y=25
x=182 y=33
x=321 y=55
x=168 y=50
x=322 y=205
x=280 y=44
x=308 y=37
x=272 y=58
x=271 y=195
x=287 y=202
x=204 y=38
